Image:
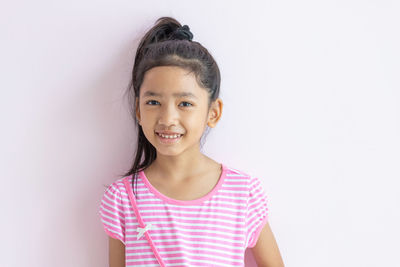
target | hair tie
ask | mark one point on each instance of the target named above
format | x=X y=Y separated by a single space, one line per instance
x=183 y=33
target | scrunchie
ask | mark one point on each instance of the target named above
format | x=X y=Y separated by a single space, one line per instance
x=183 y=33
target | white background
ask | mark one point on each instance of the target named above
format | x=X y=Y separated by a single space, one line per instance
x=311 y=106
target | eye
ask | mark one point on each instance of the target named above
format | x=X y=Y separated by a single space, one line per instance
x=189 y=104
x=151 y=101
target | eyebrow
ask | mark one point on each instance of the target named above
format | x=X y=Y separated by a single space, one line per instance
x=182 y=94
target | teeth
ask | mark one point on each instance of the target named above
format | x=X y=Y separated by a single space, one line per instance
x=169 y=136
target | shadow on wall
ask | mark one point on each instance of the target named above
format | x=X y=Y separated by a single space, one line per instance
x=249 y=259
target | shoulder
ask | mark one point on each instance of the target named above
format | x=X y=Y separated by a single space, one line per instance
x=235 y=171
x=252 y=183
x=239 y=172
x=117 y=187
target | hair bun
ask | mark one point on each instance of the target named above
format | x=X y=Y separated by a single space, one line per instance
x=183 y=33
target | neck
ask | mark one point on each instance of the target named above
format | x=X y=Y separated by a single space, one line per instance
x=180 y=168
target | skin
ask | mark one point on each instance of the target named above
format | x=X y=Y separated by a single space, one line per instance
x=180 y=162
x=266 y=252
x=182 y=165
x=116 y=252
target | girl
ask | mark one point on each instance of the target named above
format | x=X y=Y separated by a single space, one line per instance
x=176 y=206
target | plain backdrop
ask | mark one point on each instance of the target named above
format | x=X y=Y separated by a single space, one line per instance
x=311 y=106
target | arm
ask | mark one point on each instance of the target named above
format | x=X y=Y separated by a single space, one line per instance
x=116 y=253
x=266 y=252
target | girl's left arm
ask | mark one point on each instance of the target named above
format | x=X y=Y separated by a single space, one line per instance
x=266 y=252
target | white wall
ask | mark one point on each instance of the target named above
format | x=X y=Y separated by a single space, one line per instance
x=311 y=94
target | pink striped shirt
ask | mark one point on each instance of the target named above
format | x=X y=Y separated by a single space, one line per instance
x=213 y=230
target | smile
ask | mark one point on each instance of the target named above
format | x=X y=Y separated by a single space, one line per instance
x=169 y=139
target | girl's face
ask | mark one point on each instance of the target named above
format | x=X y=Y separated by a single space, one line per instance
x=172 y=104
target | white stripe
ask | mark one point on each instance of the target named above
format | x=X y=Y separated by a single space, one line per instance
x=217 y=211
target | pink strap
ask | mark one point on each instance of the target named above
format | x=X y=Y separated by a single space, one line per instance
x=141 y=222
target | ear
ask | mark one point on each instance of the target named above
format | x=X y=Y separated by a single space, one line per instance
x=137 y=110
x=215 y=112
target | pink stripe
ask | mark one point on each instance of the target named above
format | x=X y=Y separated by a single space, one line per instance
x=146 y=200
x=195 y=249
x=165 y=222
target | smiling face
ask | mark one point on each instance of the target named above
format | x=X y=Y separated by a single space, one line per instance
x=173 y=110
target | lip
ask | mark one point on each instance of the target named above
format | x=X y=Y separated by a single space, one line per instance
x=168 y=140
x=167 y=132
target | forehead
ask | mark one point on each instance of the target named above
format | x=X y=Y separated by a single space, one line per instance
x=171 y=80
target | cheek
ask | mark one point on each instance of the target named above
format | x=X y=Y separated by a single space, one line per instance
x=196 y=124
x=148 y=116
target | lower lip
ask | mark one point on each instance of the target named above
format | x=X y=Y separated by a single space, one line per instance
x=169 y=140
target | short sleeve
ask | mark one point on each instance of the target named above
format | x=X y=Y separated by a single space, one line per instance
x=257 y=211
x=112 y=213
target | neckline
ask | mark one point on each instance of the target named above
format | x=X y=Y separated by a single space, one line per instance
x=185 y=202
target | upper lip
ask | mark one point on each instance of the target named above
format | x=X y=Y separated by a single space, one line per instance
x=167 y=132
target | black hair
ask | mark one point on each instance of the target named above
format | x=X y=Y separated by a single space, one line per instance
x=165 y=45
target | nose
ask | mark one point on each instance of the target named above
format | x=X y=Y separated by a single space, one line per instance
x=168 y=114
